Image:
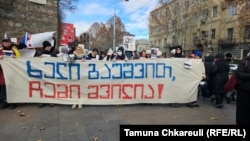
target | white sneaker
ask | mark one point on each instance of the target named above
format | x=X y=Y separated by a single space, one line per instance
x=73 y=106
x=80 y=106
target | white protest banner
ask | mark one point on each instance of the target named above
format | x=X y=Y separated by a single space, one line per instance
x=50 y=80
x=36 y=40
x=129 y=43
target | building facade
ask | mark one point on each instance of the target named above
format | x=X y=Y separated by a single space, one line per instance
x=211 y=26
x=20 y=16
x=142 y=44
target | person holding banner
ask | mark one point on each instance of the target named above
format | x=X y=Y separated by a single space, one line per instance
x=79 y=53
x=120 y=53
x=102 y=55
x=8 y=50
x=93 y=54
x=177 y=54
x=110 y=55
x=50 y=51
x=202 y=86
x=143 y=54
x=136 y=55
x=148 y=53
x=38 y=52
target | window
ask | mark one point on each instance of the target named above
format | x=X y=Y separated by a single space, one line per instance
x=213 y=33
x=187 y=4
x=195 y=37
x=232 y=10
x=176 y=10
x=203 y=35
x=230 y=32
x=247 y=5
x=196 y=18
x=205 y=14
x=196 y=2
x=215 y=9
x=168 y=12
x=159 y=15
x=165 y=41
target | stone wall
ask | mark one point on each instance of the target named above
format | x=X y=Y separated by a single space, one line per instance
x=20 y=16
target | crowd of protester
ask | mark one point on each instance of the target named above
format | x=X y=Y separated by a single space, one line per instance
x=215 y=74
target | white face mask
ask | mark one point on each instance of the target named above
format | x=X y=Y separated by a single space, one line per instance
x=119 y=53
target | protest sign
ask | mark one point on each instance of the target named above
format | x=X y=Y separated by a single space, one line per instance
x=36 y=40
x=50 y=80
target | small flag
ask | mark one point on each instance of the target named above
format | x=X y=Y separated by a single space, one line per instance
x=25 y=38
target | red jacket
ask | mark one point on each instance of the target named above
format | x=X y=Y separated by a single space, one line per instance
x=2 y=80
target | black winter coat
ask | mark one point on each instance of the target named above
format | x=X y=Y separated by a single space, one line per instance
x=243 y=73
x=219 y=75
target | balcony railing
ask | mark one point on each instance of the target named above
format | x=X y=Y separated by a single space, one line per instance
x=222 y=42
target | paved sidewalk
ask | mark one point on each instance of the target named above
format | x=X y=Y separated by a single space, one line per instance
x=101 y=123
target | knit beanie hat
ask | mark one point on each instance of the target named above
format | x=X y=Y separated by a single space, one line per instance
x=46 y=44
x=198 y=53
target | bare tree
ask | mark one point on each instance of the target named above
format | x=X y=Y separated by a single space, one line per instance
x=244 y=24
x=67 y=5
x=102 y=34
x=162 y=2
x=244 y=20
x=99 y=35
x=167 y=24
x=119 y=29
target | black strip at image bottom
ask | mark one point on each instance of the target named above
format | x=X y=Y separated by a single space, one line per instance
x=204 y=132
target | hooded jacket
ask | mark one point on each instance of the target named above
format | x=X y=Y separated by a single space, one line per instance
x=178 y=55
x=219 y=74
x=122 y=57
x=51 y=52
